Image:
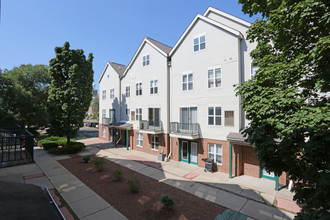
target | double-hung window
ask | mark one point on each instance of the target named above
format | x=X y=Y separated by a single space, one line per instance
x=139 y=88
x=229 y=118
x=146 y=60
x=104 y=132
x=215 y=152
x=154 y=116
x=153 y=86
x=199 y=43
x=112 y=93
x=139 y=139
x=104 y=113
x=187 y=82
x=138 y=114
x=214 y=116
x=104 y=94
x=128 y=91
x=253 y=71
x=214 y=77
x=154 y=142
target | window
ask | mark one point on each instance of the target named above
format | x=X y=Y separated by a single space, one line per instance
x=154 y=142
x=215 y=152
x=214 y=78
x=146 y=60
x=127 y=111
x=112 y=93
x=229 y=118
x=187 y=82
x=214 y=116
x=139 y=140
x=253 y=71
x=153 y=86
x=128 y=91
x=133 y=115
x=154 y=116
x=103 y=113
x=112 y=115
x=138 y=114
x=138 y=89
x=104 y=94
x=104 y=132
x=199 y=43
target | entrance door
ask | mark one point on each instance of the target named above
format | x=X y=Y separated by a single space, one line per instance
x=189 y=151
x=188 y=116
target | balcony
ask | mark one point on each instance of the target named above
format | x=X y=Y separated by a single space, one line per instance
x=108 y=121
x=184 y=130
x=151 y=127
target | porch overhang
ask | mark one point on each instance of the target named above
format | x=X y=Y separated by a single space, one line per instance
x=237 y=138
x=121 y=126
x=185 y=136
x=145 y=131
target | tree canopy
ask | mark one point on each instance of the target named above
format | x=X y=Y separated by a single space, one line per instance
x=23 y=95
x=70 y=92
x=287 y=102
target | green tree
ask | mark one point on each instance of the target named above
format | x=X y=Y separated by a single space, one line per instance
x=23 y=95
x=95 y=107
x=70 y=92
x=287 y=102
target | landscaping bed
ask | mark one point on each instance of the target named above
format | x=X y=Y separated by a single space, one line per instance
x=143 y=205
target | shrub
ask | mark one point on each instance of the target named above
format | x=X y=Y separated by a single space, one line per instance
x=117 y=175
x=73 y=147
x=62 y=141
x=134 y=185
x=52 y=138
x=99 y=163
x=51 y=145
x=86 y=158
x=167 y=200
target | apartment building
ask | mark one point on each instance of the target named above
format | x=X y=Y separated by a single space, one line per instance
x=181 y=100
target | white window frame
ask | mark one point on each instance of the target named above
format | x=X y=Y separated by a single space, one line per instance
x=214 y=78
x=139 y=139
x=104 y=94
x=112 y=93
x=154 y=143
x=138 y=114
x=197 y=42
x=104 y=132
x=253 y=71
x=215 y=153
x=128 y=91
x=154 y=86
x=214 y=115
x=233 y=118
x=138 y=90
x=187 y=83
x=146 y=60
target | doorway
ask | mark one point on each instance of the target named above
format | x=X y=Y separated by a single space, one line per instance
x=188 y=151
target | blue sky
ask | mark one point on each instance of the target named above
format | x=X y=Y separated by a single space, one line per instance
x=111 y=29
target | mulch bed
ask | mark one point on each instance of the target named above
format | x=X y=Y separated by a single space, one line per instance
x=145 y=204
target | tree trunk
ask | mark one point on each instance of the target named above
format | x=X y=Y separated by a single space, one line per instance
x=68 y=139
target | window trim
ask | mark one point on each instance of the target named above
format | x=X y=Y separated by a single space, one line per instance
x=214 y=78
x=104 y=113
x=153 y=88
x=104 y=94
x=136 y=114
x=198 y=36
x=152 y=143
x=187 y=74
x=224 y=121
x=112 y=96
x=136 y=89
x=215 y=116
x=128 y=92
x=139 y=140
x=146 y=60
x=104 y=132
x=215 y=152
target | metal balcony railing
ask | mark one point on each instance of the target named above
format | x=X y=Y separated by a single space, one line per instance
x=184 y=128
x=108 y=121
x=151 y=125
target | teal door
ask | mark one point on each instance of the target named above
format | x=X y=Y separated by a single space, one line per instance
x=189 y=151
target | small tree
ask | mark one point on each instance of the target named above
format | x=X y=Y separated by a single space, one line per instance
x=70 y=92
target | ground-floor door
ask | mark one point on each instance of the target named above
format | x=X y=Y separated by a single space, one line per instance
x=188 y=151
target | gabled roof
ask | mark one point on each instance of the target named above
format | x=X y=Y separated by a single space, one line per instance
x=208 y=20
x=160 y=47
x=228 y=16
x=118 y=68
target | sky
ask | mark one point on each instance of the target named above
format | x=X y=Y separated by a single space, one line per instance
x=110 y=29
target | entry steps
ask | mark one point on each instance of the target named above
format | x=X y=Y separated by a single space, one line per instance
x=229 y=214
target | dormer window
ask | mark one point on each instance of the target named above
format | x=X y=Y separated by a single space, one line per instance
x=199 y=43
x=146 y=60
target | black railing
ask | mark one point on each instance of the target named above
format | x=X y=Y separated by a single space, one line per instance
x=16 y=146
x=108 y=121
x=151 y=125
x=184 y=128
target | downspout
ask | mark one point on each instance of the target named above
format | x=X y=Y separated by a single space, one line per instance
x=230 y=160
x=170 y=154
x=126 y=139
x=169 y=64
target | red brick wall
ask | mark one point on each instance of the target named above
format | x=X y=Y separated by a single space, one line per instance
x=283 y=179
x=107 y=138
x=250 y=162
x=163 y=142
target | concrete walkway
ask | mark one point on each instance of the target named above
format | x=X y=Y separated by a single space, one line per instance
x=248 y=195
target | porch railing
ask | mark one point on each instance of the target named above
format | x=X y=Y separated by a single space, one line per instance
x=16 y=146
x=151 y=125
x=108 y=121
x=184 y=128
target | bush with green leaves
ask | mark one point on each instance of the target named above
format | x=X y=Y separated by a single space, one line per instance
x=117 y=175
x=52 y=144
x=86 y=158
x=99 y=163
x=167 y=200
x=134 y=184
